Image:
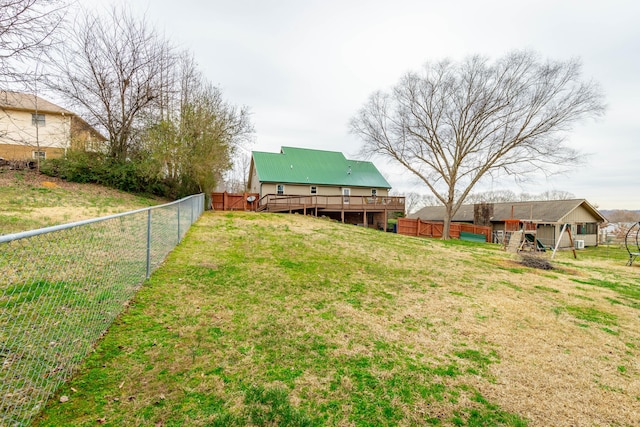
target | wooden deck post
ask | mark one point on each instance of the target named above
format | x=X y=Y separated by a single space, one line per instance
x=385 y=220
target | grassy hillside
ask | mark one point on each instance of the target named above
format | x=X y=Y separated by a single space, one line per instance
x=29 y=200
x=284 y=320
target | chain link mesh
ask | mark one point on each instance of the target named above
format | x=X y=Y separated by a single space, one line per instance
x=62 y=287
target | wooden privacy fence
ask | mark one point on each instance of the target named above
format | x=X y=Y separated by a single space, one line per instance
x=421 y=228
x=234 y=201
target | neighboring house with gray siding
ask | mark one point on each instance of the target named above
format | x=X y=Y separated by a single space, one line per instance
x=548 y=216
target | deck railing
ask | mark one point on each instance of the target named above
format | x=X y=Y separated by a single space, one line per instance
x=280 y=203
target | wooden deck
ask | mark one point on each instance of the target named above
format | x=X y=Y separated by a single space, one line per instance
x=320 y=204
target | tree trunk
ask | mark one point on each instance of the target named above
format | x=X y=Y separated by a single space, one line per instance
x=446 y=227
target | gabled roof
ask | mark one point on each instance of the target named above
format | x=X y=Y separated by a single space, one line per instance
x=316 y=167
x=549 y=211
x=27 y=102
x=79 y=125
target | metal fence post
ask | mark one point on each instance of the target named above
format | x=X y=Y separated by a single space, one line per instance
x=149 y=243
x=193 y=208
x=179 y=222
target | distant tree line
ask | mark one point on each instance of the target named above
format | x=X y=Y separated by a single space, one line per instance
x=168 y=130
x=622 y=216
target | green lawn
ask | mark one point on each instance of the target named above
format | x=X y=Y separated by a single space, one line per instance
x=284 y=320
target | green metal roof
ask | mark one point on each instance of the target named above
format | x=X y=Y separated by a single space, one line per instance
x=316 y=167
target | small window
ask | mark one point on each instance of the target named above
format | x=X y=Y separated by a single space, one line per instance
x=346 y=193
x=37 y=119
x=588 y=228
x=39 y=154
x=314 y=189
x=374 y=192
x=280 y=189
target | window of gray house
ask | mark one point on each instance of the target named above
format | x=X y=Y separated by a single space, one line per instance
x=587 y=228
x=280 y=189
x=314 y=189
x=37 y=119
x=374 y=192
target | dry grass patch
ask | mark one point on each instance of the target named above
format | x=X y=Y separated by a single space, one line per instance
x=29 y=200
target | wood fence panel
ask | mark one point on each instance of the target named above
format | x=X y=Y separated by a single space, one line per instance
x=418 y=227
x=454 y=230
x=234 y=201
x=408 y=226
x=217 y=201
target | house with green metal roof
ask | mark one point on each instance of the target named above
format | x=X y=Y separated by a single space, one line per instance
x=322 y=182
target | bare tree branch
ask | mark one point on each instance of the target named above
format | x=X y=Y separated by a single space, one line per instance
x=26 y=30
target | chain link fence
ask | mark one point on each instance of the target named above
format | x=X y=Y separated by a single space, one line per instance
x=61 y=288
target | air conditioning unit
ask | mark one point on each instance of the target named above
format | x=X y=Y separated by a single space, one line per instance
x=579 y=244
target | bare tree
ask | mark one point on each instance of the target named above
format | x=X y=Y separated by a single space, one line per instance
x=454 y=123
x=26 y=29
x=114 y=70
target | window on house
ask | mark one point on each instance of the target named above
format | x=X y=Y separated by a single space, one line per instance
x=314 y=189
x=39 y=154
x=346 y=193
x=37 y=119
x=374 y=192
x=587 y=228
x=280 y=189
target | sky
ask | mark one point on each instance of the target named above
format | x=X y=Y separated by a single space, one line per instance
x=305 y=67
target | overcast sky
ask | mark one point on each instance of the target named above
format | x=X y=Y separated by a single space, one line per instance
x=305 y=67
